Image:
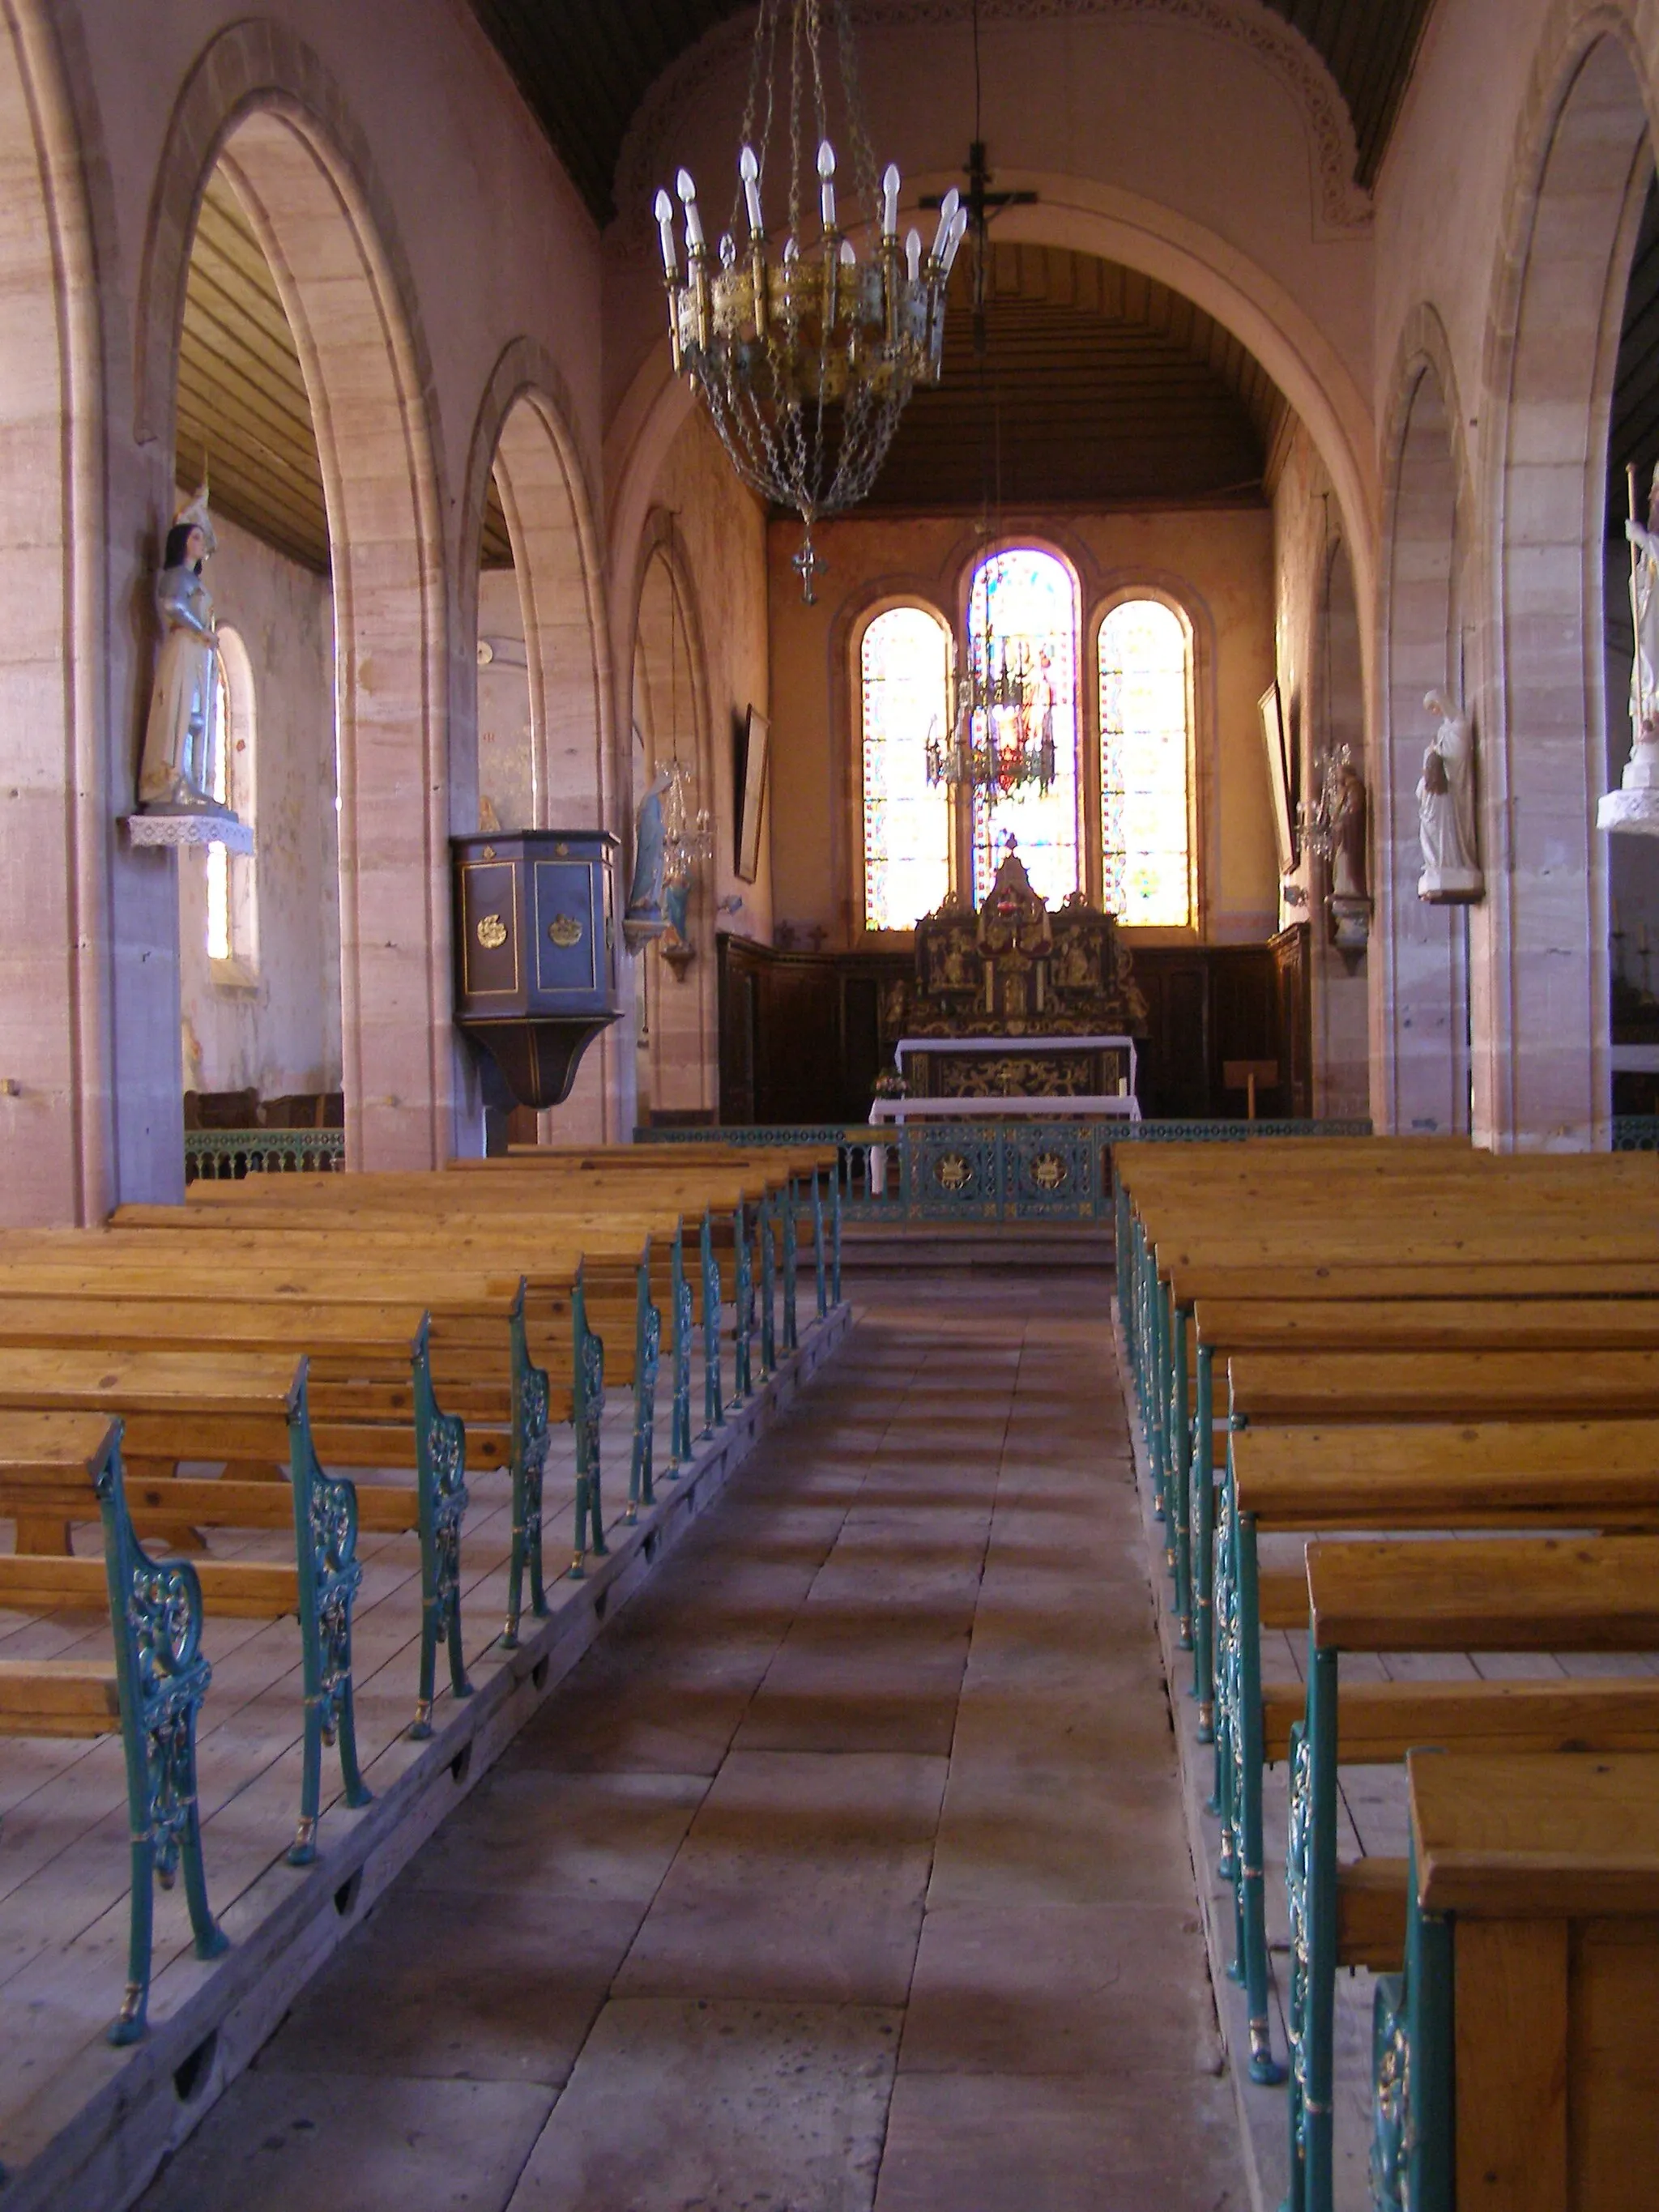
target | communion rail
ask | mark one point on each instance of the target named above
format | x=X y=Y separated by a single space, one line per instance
x=228 y=1155
x=1001 y=1169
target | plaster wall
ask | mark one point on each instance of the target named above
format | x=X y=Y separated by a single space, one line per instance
x=269 y=1020
x=1218 y=562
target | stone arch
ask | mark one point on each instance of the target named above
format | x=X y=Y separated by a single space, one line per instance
x=1539 y=964
x=522 y=437
x=54 y=996
x=260 y=103
x=1419 y=954
x=669 y=649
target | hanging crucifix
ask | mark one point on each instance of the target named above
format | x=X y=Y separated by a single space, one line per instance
x=980 y=204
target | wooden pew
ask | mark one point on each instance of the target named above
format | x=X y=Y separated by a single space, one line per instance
x=1534 y=1898
x=1550 y=1473
x=210 y=1405
x=1540 y=1594
x=150 y=1691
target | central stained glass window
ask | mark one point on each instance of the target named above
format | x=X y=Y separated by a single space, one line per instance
x=905 y=672
x=1145 y=817
x=1031 y=606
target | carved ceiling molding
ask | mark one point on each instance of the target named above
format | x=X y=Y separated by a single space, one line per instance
x=1342 y=207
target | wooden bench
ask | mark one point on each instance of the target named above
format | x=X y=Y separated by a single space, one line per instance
x=1540 y=1594
x=1499 y=1475
x=213 y=1405
x=1535 y=1899
x=150 y=1692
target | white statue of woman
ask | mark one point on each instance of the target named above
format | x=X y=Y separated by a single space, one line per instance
x=1445 y=810
x=175 y=776
x=1644 y=664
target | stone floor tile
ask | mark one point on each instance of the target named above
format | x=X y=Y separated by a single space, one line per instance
x=1014 y=1834
x=973 y=2142
x=461 y=1985
x=604 y=1836
x=1061 y=1989
x=728 y=2107
x=873 y=1685
x=356 y=2144
x=802 y=1879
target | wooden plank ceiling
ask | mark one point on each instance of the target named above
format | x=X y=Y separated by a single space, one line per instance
x=244 y=418
x=1097 y=388
x=585 y=66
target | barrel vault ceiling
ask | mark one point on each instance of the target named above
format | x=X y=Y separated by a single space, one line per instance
x=244 y=420
x=585 y=66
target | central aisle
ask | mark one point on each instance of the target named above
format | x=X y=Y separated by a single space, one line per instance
x=849 y=1871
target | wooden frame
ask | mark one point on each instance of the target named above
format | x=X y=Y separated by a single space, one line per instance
x=751 y=792
x=1280 y=783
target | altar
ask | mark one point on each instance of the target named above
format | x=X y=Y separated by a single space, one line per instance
x=1015 y=1003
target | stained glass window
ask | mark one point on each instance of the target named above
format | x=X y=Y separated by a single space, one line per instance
x=1145 y=832
x=904 y=669
x=1032 y=611
x=218 y=859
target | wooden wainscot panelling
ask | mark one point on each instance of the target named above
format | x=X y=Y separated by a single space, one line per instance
x=801 y=1037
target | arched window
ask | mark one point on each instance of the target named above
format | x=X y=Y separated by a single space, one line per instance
x=1145 y=836
x=1031 y=606
x=231 y=918
x=904 y=673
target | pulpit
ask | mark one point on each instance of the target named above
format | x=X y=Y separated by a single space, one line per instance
x=535 y=978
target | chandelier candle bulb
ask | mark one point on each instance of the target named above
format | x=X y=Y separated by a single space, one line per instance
x=947 y=214
x=912 y=253
x=890 y=192
x=665 y=212
x=827 y=183
x=958 y=231
x=749 y=169
x=688 y=192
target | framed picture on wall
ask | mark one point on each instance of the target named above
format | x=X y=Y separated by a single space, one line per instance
x=750 y=781
x=1279 y=779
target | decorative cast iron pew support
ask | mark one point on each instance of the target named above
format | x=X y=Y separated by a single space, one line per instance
x=589 y=1414
x=681 y=1292
x=648 y=1343
x=161 y=1678
x=330 y=1574
x=440 y=1466
x=714 y=1403
x=529 y=1446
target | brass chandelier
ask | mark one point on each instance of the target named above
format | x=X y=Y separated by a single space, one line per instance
x=805 y=360
x=1002 y=738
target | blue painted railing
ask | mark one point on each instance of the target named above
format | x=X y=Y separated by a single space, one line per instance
x=227 y=1155
x=1002 y=1168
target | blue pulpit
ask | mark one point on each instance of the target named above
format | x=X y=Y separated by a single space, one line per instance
x=535 y=979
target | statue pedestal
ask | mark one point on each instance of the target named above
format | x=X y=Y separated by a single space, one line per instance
x=1351 y=922
x=1451 y=886
x=1634 y=811
x=190 y=829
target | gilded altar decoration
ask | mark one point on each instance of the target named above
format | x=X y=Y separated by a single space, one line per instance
x=492 y=931
x=565 y=930
x=1016 y=970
